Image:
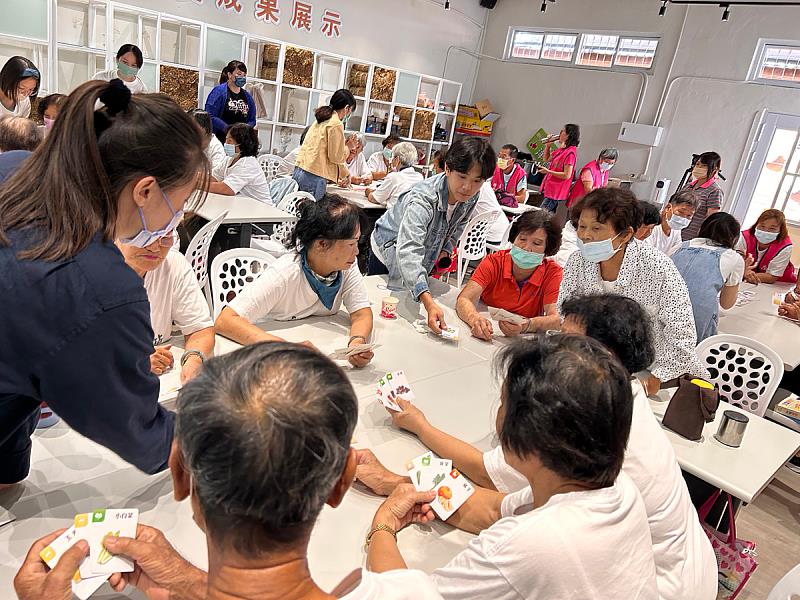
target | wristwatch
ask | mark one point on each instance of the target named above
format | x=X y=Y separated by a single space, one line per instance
x=189 y=353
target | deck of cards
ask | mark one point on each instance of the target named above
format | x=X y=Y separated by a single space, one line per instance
x=345 y=353
x=391 y=386
x=501 y=314
x=100 y=564
x=430 y=473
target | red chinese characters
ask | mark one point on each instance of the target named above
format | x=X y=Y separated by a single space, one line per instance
x=233 y=5
x=301 y=17
x=331 y=24
x=268 y=11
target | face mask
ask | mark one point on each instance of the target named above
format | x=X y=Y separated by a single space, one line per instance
x=230 y=149
x=699 y=172
x=239 y=81
x=605 y=166
x=387 y=153
x=346 y=119
x=525 y=259
x=677 y=222
x=598 y=252
x=502 y=163
x=146 y=237
x=48 y=123
x=127 y=70
x=766 y=237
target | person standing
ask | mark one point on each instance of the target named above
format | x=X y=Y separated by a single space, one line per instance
x=129 y=62
x=558 y=176
x=229 y=103
x=19 y=82
x=709 y=194
x=593 y=175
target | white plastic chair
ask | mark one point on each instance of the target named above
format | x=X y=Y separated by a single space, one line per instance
x=788 y=587
x=271 y=165
x=275 y=244
x=280 y=187
x=503 y=244
x=472 y=244
x=748 y=372
x=197 y=252
x=232 y=270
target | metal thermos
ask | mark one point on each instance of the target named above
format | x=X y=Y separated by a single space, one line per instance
x=731 y=428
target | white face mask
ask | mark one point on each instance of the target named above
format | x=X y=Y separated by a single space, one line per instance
x=605 y=167
x=677 y=222
x=598 y=252
x=766 y=237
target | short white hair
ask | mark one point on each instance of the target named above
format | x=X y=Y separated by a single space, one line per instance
x=406 y=153
x=359 y=138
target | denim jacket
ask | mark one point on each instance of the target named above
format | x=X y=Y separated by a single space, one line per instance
x=415 y=230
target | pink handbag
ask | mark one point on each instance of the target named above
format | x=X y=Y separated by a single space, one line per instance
x=735 y=558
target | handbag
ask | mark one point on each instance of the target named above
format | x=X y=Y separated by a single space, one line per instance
x=735 y=558
x=691 y=407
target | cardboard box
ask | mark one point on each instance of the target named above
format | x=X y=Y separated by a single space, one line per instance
x=484 y=108
x=470 y=122
x=790 y=407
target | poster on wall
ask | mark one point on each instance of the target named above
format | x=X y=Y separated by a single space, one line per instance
x=303 y=13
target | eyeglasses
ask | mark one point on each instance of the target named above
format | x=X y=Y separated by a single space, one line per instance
x=167 y=240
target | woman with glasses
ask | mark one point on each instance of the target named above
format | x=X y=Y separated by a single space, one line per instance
x=19 y=82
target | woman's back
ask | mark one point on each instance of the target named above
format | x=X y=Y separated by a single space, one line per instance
x=700 y=268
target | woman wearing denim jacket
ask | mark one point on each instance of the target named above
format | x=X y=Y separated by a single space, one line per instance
x=426 y=222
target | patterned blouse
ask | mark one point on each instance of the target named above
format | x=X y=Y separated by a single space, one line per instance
x=649 y=277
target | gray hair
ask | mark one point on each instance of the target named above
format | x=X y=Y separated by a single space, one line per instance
x=406 y=152
x=265 y=432
x=609 y=154
x=687 y=197
x=19 y=133
x=359 y=137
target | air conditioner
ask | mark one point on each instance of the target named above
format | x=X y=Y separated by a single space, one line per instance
x=635 y=133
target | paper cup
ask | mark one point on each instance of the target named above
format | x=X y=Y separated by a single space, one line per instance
x=389 y=307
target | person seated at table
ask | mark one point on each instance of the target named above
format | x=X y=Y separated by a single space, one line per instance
x=240 y=173
x=650 y=218
x=215 y=152
x=675 y=217
x=576 y=511
x=380 y=162
x=509 y=181
x=424 y=226
x=315 y=279
x=569 y=235
x=175 y=299
x=593 y=175
x=769 y=247
x=48 y=108
x=356 y=163
x=129 y=63
x=19 y=136
x=437 y=161
x=401 y=178
x=712 y=270
x=262 y=444
x=611 y=260
x=522 y=280
x=685 y=563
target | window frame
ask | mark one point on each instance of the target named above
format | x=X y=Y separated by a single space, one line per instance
x=758 y=62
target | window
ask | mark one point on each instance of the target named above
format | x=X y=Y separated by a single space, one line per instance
x=597 y=50
x=777 y=63
x=526 y=44
x=636 y=52
x=559 y=47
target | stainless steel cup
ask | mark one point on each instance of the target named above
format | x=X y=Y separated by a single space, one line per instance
x=731 y=428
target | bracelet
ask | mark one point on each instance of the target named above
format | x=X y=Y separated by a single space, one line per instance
x=189 y=353
x=376 y=529
x=356 y=337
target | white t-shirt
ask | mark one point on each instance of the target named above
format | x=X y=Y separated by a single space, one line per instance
x=666 y=243
x=394 y=185
x=731 y=264
x=376 y=163
x=402 y=584
x=521 y=184
x=136 y=86
x=175 y=297
x=487 y=202
x=580 y=545
x=686 y=568
x=569 y=243
x=283 y=293
x=287 y=168
x=358 y=167
x=215 y=152
x=22 y=109
x=777 y=266
x=245 y=177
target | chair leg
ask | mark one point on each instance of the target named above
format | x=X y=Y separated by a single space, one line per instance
x=460 y=278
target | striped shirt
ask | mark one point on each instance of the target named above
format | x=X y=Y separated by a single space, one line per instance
x=709 y=197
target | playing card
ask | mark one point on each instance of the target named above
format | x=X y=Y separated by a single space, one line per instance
x=81 y=587
x=97 y=525
x=400 y=385
x=451 y=494
x=501 y=314
x=427 y=471
x=450 y=333
x=345 y=353
x=386 y=395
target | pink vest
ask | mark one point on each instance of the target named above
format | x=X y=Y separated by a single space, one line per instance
x=498 y=182
x=552 y=187
x=599 y=180
x=789 y=276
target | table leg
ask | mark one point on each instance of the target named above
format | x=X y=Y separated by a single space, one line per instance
x=245 y=233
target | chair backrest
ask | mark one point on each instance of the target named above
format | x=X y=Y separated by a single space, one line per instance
x=289 y=204
x=232 y=270
x=270 y=164
x=472 y=245
x=788 y=587
x=748 y=372
x=280 y=187
x=197 y=251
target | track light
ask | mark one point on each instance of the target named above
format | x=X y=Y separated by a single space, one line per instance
x=726 y=12
x=544 y=5
x=447 y=4
x=663 y=10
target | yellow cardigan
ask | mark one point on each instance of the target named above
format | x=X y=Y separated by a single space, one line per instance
x=324 y=151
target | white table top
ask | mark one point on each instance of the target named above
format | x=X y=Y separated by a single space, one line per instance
x=518 y=210
x=759 y=320
x=354 y=195
x=241 y=209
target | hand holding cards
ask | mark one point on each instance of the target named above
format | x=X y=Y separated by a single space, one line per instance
x=501 y=314
x=429 y=473
x=391 y=386
x=345 y=353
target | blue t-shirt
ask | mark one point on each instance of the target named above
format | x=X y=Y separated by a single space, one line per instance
x=10 y=161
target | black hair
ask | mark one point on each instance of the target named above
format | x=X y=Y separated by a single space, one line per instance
x=230 y=68
x=573 y=135
x=568 y=402
x=722 y=229
x=137 y=53
x=684 y=196
x=12 y=73
x=330 y=218
x=513 y=151
x=650 y=213
x=203 y=119
x=391 y=139
x=303 y=135
x=619 y=323
x=246 y=137
x=340 y=99
x=48 y=101
x=438 y=158
x=533 y=220
x=468 y=152
x=712 y=160
x=616 y=206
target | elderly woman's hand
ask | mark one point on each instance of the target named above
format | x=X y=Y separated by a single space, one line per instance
x=374 y=475
x=790 y=311
x=409 y=417
x=404 y=506
x=35 y=580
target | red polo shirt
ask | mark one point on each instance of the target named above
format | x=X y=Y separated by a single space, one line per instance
x=501 y=290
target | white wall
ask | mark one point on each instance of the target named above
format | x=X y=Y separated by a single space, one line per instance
x=699 y=114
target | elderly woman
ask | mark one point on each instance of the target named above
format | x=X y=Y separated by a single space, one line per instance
x=593 y=175
x=175 y=299
x=356 y=163
x=611 y=260
x=286 y=415
x=401 y=178
x=315 y=279
x=522 y=280
x=380 y=162
x=769 y=249
x=675 y=217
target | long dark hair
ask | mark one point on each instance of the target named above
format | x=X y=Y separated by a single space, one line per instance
x=722 y=229
x=13 y=72
x=339 y=100
x=230 y=68
x=69 y=189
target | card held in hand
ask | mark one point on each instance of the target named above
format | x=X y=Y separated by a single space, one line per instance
x=94 y=527
x=451 y=494
x=81 y=587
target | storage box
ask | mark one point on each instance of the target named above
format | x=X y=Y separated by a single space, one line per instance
x=790 y=407
x=470 y=122
x=484 y=108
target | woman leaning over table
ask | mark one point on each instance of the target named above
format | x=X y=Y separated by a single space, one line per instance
x=324 y=151
x=74 y=318
x=611 y=260
x=240 y=173
x=19 y=82
x=769 y=249
x=522 y=280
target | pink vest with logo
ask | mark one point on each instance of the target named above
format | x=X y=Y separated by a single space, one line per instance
x=499 y=183
x=789 y=275
x=553 y=187
x=599 y=180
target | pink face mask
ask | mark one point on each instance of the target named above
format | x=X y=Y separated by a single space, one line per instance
x=48 y=123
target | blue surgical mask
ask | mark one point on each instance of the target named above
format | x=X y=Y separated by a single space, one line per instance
x=766 y=237
x=230 y=149
x=387 y=153
x=145 y=237
x=677 y=222
x=239 y=81
x=127 y=70
x=598 y=252
x=525 y=259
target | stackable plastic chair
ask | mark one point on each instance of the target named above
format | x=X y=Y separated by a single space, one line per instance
x=232 y=270
x=472 y=244
x=271 y=164
x=747 y=372
x=788 y=587
x=197 y=252
x=280 y=187
x=274 y=244
x=503 y=243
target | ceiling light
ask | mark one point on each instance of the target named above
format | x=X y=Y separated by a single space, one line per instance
x=663 y=10
x=726 y=13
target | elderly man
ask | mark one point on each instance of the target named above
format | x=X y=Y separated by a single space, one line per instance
x=356 y=163
x=262 y=443
x=18 y=138
x=401 y=178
